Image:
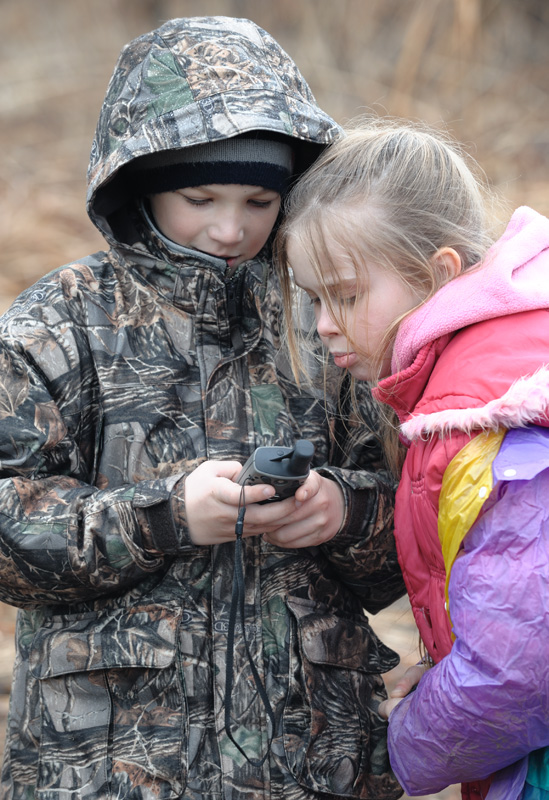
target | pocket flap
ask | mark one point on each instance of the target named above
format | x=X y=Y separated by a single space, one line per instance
x=345 y=642
x=143 y=637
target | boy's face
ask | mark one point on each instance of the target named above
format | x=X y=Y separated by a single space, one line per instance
x=230 y=221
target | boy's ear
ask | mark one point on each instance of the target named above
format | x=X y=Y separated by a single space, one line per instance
x=447 y=262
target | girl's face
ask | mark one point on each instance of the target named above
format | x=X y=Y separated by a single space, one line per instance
x=369 y=307
x=230 y=221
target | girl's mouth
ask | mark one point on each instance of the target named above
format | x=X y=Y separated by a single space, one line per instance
x=344 y=360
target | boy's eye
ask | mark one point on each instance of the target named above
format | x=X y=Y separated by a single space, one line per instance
x=196 y=201
x=260 y=203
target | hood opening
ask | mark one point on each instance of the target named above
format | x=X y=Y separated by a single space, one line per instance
x=112 y=207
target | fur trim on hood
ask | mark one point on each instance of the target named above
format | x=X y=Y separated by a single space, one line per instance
x=526 y=401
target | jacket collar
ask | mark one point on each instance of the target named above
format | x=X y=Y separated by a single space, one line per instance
x=403 y=390
x=181 y=273
x=452 y=385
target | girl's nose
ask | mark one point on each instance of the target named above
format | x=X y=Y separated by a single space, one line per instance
x=325 y=325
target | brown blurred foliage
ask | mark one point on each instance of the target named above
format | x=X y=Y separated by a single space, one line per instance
x=478 y=67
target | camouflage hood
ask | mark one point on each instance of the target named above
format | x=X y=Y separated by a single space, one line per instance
x=191 y=81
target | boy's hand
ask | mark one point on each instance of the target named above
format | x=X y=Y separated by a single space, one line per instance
x=212 y=499
x=402 y=688
x=314 y=515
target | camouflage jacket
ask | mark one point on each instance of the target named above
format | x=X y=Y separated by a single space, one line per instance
x=120 y=373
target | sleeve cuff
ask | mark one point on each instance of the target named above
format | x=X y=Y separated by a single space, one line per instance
x=163 y=524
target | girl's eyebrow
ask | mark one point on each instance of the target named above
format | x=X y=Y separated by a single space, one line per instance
x=341 y=283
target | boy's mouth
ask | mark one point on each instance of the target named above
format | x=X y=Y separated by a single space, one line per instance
x=231 y=260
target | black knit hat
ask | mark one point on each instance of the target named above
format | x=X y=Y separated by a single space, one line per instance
x=245 y=160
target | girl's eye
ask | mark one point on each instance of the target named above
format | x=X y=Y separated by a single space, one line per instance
x=344 y=296
x=314 y=300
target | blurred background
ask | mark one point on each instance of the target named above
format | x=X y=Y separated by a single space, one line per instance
x=479 y=68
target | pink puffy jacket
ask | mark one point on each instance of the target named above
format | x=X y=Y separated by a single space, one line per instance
x=474 y=359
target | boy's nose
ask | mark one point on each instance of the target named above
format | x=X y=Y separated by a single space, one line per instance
x=228 y=229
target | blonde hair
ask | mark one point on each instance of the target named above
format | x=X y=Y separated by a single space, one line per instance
x=389 y=192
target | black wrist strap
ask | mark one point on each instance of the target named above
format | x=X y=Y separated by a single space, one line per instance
x=237 y=606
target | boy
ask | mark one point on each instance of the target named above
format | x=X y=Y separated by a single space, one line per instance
x=136 y=383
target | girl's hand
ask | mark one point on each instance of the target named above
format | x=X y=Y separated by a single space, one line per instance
x=402 y=688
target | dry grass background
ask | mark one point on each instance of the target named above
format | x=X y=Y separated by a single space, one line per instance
x=477 y=67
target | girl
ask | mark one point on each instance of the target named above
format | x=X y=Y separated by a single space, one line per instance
x=389 y=236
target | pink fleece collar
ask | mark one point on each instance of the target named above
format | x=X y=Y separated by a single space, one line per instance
x=514 y=277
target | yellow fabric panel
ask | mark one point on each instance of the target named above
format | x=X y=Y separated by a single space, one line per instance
x=466 y=484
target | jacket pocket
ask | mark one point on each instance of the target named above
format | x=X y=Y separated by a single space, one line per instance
x=334 y=739
x=112 y=721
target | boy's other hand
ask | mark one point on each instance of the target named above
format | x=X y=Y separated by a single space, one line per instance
x=314 y=515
